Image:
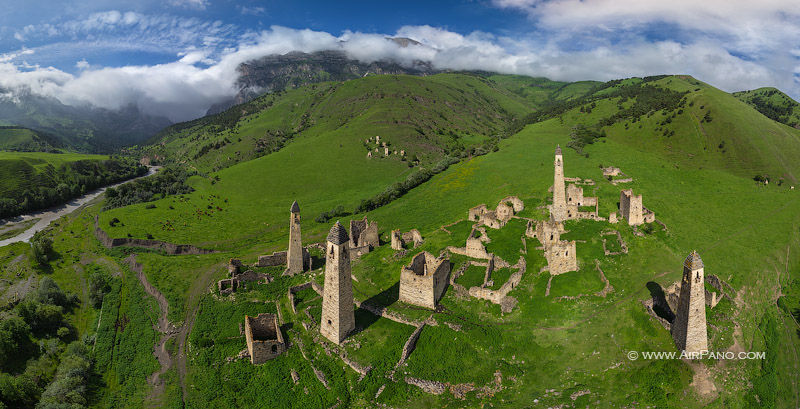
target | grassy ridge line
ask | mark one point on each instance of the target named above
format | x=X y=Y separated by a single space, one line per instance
x=424 y=116
x=774 y=104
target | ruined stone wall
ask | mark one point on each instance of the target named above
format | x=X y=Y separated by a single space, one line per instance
x=264 y=338
x=561 y=257
x=631 y=208
x=504 y=212
x=477 y=212
x=413 y=236
x=548 y=232
x=364 y=233
x=517 y=204
x=574 y=195
x=611 y=171
x=169 y=248
x=423 y=281
x=277 y=258
x=234 y=266
x=397 y=240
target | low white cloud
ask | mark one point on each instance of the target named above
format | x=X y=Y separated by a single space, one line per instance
x=208 y=53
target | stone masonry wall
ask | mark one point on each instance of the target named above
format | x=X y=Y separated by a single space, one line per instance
x=423 y=281
x=264 y=338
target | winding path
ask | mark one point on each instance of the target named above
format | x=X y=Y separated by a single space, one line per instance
x=163 y=326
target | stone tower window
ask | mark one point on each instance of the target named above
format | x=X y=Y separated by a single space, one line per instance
x=274 y=349
x=329 y=322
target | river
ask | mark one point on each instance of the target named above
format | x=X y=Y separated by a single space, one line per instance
x=47 y=216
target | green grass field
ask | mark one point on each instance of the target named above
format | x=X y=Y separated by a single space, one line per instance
x=558 y=351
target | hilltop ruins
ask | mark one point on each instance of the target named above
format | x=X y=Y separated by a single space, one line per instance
x=264 y=338
x=689 y=327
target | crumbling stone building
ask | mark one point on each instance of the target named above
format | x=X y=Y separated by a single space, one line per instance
x=423 y=281
x=363 y=237
x=689 y=326
x=631 y=208
x=497 y=218
x=548 y=232
x=338 y=316
x=264 y=338
x=568 y=200
x=399 y=240
x=561 y=257
x=239 y=277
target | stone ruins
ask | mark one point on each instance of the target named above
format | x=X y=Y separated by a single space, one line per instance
x=423 y=281
x=561 y=257
x=399 y=240
x=338 y=316
x=363 y=237
x=689 y=326
x=568 y=200
x=297 y=259
x=264 y=338
x=631 y=208
x=239 y=277
x=497 y=218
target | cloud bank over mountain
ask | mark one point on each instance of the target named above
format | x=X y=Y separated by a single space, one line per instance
x=730 y=45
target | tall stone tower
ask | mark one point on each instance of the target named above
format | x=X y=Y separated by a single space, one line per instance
x=689 y=326
x=294 y=257
x=338 y=316
x=559 y=209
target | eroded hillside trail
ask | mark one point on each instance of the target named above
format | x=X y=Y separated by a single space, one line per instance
x=199 y=287
x=162 y=326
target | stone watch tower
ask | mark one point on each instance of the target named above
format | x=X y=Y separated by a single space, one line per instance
x=689 y=326
x=558 y=211
x=294 y=257
x=338 y=317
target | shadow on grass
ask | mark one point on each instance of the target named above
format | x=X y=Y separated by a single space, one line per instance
x=660 y=305
x=387 y=297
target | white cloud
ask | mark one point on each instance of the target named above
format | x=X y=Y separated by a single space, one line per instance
x=194 y=4
x=204 y=70
x=253 y=11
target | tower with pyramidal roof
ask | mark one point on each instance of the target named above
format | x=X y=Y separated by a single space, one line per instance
x=689 y=326
x=338 y=316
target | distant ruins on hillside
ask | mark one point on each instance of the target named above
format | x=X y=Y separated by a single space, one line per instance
x=363 y=237
x=568 y=201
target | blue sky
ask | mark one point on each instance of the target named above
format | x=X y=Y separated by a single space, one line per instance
x=180 y=56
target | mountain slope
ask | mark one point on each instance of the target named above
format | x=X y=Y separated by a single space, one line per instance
x=280 y=72
x=774 y=104
x=84 y=129
x=422 y=117
x=14 y=138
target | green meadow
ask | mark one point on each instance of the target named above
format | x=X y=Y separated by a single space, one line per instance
x=569 y=348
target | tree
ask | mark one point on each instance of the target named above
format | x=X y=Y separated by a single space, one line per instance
x=42 y=248
x=12 y=332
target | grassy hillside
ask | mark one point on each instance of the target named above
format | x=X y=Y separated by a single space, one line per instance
x=569 y=348
x=774 y=104
x=27 y=140
x=427 y=117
